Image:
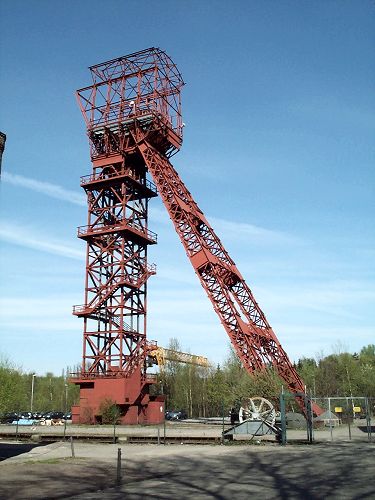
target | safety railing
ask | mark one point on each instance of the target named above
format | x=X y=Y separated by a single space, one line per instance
x=100 y=176
x=102 y=228
x=80 y=309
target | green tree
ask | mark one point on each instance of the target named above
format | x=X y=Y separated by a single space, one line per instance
x=50 y=392
x=109 y=411
x=13 y=388
x=218 y=392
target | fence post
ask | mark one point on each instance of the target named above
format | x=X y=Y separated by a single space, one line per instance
x=72 y=447
x=164 y=430
x=330 y=419
x=222 y=409
x=349 y=429
x=165 y=419
x=368 y=424
x=349 y=413
x=118 y=476
x=368 y=420
x=282 y=417
x=309 y=419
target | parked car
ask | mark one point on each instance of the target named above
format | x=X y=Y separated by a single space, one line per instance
x=37 y=415
x=57 y=415
x=26 y=415
x=8 y=418
x=175 y=415
x=53 y=415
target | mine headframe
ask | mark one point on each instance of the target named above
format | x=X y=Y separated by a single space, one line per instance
x=133 y=116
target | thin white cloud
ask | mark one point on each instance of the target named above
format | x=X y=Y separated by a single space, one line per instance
x=250 y=232
x=300 y=339
x=345 y=299
x=46 y=188
x=173 y=274
x=21 y=236
x=239 y=230
x=35 y=307
x=42 y=313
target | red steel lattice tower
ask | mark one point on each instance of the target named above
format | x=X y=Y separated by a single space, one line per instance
x=133 y=116
x=140 y=91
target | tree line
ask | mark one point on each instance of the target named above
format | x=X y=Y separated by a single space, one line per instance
x=211 y=391
x=23 y=392
x=201 y=391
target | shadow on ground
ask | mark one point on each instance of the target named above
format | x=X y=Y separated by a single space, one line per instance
x=8 y=450
x=364 y=428
x=309 y=473
x=342 y=471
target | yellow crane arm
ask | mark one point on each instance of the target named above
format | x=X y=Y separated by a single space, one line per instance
x=162 y=355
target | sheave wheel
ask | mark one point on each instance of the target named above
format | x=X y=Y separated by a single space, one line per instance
x=257 y=408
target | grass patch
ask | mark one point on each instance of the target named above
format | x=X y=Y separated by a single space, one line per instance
x=251 y=442
x=54 y=460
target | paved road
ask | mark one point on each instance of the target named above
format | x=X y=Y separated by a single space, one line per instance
x=329 y=471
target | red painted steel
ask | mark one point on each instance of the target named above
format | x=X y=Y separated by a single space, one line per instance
x=249 y=331
x=134 y=122
x=139 y=90
x=3 y=139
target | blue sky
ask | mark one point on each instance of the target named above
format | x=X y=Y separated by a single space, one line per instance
x=278 y=152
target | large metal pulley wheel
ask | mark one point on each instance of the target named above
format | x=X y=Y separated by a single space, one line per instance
x=257 y=408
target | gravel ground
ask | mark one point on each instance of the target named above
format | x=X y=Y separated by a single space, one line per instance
x=331 y=470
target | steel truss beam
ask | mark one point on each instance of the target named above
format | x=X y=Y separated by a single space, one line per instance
x=117 y=270
x=134 y=124
x=245 y=323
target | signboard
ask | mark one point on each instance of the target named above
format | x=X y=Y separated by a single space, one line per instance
x=357 y=409
x=338 y=409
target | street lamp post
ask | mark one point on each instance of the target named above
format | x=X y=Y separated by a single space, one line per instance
x=32 y=393
x=66 y=398
x=66 y=407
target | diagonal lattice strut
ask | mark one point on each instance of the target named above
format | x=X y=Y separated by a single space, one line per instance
x=249 y=331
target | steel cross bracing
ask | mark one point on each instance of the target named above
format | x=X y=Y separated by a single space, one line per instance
x=117 y=270
x=139 y=90
x=250 y=333
x=133 y=114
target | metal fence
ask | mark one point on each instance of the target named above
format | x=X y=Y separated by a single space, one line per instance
x=346 y=418
x=343 y=419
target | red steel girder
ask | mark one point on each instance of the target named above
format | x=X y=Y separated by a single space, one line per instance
x=133 y=116
x=249 y=331
x=117 y=235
